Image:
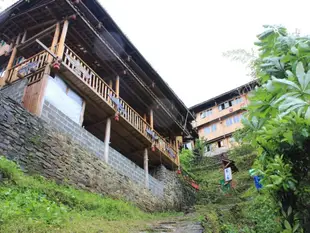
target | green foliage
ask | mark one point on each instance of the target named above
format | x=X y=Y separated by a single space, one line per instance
x=278 y=121
x=242 y=210
x=37 y=204
x=186 y=158
x=9 y=170
x=199 y=150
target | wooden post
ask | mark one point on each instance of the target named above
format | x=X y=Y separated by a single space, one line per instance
x=146 y=168
x=111 y=84
x=107 y=140
x=54 y=42
x=61 y=44
x=151 y=119
x=144 y=124
x=117 y=86
x=34 y=94
x=11 y=62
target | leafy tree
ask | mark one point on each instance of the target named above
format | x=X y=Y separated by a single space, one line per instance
x=278 y=122
x=200 y=149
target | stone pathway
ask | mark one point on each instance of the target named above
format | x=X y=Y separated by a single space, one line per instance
x=178 y=225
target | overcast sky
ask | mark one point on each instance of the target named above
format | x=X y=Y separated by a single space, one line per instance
x=184 y=40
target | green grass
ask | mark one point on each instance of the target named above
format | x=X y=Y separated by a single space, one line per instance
x=35 y=204
x=241 y=210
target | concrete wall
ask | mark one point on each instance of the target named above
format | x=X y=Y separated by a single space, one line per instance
x=64 y=124
x=39 y=148
x=15 y=90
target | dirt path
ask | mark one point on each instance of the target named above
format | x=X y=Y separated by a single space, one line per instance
x=178 y=225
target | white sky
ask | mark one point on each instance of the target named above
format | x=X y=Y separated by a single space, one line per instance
x=184 y=40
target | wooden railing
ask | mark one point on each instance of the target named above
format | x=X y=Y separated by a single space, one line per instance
x=102 y=89
x=33 y=72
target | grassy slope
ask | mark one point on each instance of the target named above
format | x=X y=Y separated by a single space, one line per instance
x=34 y=204
x=242 y=210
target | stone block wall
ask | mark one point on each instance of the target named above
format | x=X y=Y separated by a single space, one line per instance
x=15 y=90
x=119 y=162
x=38 y=148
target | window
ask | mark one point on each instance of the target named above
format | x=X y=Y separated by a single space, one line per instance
x=63 y=98
x=220 y=144
x=237 y=118
x=225 y=105
x=229 y=121
x=213 y=127
x=206 y=113
x=208 y=148
x=207 y=130
x=238 y=100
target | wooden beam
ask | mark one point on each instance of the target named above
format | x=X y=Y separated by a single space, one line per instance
x=117 y=86
x=54 y=42
x=107 y=140
x=146 y=168
x=24 y=37
x=61 y=44
x=151 y=119
x=32 y=40
x=50 y=22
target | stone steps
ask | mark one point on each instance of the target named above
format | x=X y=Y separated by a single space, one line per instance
x=176 y=226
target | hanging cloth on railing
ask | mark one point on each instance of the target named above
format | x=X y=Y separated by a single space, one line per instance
x=152 y=134
x=27 y=69
x=77 y=67
x=119 y=107
x=171 y=152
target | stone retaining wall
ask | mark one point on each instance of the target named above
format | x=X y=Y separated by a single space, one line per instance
x=122 y=164
x=38 y=148
x=15 y=90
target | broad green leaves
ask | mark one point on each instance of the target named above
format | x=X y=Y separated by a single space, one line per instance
x=297 y=92
x=278 y=123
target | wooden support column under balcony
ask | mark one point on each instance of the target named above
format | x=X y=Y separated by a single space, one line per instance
x=107 y=140
x=10 y=63
x=146 y=168
x=34 y=93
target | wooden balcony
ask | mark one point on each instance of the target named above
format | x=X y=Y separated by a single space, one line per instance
x=95 y=90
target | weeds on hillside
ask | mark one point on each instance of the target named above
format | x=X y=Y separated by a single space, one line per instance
x=35 y=204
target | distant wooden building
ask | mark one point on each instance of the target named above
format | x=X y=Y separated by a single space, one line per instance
x=218 y=118
x=77 y=60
